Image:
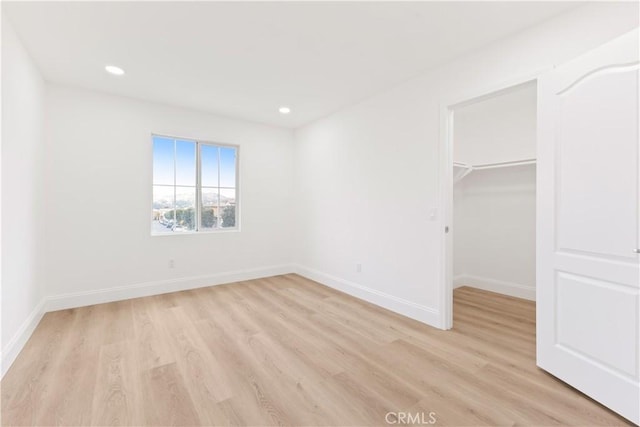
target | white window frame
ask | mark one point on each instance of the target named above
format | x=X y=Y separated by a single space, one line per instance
x=198 y=202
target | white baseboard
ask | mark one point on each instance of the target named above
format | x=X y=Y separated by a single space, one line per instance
x=422 y=313
x=20 y=338
x=119 y=293
x=507 y=288
x=458 y=280
x=100 y=296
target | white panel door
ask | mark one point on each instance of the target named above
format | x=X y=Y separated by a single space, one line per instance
x=588 y=268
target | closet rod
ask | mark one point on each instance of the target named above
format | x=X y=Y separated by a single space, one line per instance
x=495 y=165
x=504 y=164
x=471 y=168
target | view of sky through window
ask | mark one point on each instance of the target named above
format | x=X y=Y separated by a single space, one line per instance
x=180 y=202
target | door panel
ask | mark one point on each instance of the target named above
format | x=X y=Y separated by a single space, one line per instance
x=588 y=275
x=587 y=311
x=606 y=146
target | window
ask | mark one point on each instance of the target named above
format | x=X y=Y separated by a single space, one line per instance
x=195 y=186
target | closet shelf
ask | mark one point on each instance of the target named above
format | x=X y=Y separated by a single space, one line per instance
x=467 y=168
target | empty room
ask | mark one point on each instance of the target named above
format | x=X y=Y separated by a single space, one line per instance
x=320 y=213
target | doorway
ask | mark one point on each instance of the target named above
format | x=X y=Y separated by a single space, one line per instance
x=587 y=237
x=491 y=200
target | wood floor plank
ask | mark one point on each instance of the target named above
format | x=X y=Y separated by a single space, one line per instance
x=74 y=375
x=166 y=400
x=251 y=401
x=115 y=401
x=204 y=376
x=285 y=350
x=152 y=347
x=29 y=381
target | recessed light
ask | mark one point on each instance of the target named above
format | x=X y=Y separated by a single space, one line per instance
x=112 y=69
x=284 y=110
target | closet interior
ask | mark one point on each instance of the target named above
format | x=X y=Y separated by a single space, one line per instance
x=494 y=193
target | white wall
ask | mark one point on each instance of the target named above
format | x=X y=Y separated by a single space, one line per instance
x=367 y=177
x=497 y=129
x=494 y=231
x=98 y=204
x=22 y=194
x=494 y=210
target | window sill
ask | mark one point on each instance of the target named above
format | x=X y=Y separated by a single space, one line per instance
x=189 y=233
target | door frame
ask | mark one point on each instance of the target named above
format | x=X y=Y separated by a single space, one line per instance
x=445 y=285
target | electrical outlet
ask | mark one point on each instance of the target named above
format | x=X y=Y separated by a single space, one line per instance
x=359 y=268
x=172 y=264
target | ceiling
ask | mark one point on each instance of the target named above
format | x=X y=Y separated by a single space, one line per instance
x=246 y=59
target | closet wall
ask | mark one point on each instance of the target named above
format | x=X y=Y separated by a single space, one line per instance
x=494 y=209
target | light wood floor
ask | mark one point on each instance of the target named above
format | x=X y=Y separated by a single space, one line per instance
x=286 y=350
